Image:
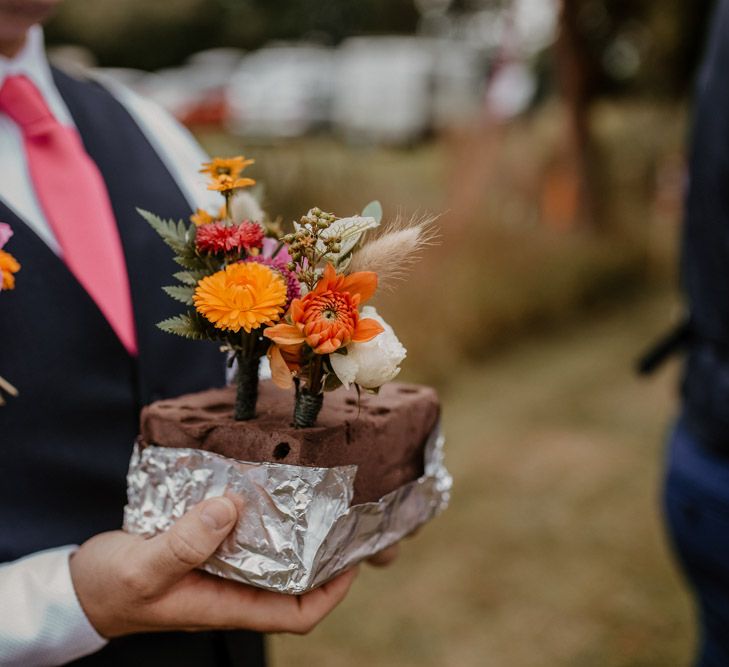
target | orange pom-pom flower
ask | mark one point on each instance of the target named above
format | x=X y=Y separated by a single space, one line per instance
x=242 y=296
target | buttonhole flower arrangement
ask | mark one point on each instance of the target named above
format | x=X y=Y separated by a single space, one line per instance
x=9 y=266
x=328 y=337
x=298 y=298
x=231 y=289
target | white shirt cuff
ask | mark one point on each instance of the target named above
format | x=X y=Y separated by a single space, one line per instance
x=41 y=620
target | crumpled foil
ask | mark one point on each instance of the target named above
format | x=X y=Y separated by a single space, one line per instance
x=296 y=529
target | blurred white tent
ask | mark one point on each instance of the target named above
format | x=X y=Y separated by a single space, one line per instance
x=383 y=89
x=459 y=76
x=394 y=89
x=281 y=91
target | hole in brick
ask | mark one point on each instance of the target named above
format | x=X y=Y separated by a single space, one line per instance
x=163 y=406
x=350 y=401
x=407 y=390
x=281 y=450
x=193 y=420
x=379 y=412
x=217 y=408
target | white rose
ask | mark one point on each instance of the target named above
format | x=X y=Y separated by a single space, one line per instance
x=373 y=363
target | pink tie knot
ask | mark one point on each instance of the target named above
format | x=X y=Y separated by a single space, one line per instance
x=24 y=104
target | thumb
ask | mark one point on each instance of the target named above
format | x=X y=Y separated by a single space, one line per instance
x=190 y=542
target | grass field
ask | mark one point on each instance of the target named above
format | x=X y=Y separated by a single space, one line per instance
x=552 y=552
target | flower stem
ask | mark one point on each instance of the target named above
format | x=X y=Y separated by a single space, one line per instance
x=307 y=407
x=277 y=250
x=309 y=399
x=228 y=194
x=247 y=386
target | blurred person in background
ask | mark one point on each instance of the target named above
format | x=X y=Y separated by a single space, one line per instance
x=78 y=337
x=697 y=483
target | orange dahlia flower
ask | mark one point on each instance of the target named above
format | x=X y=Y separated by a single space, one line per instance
x=327 y=318
x=285 y=360
x=8 y=266
x=242 y=296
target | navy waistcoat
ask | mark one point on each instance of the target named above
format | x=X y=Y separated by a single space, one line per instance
x=65 y=442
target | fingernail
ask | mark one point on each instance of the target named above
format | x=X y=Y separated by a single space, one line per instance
x=218 y=513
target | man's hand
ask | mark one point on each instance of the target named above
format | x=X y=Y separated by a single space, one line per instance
x=127 y=584
x=385 y=557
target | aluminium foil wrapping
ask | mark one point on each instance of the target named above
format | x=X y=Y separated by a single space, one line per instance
x=296 y=528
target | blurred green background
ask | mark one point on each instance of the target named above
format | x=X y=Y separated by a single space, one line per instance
x=559 y=216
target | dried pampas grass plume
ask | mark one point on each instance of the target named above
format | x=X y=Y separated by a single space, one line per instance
x=391 y=254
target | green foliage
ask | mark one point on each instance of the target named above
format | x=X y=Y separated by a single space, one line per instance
x=181 y=293
x=151 y=35
x=188 y=260
x=330 y=381
x=189 y=325
x=181 y=238
x=174 y=234
x=190 y=277
x=373 y=210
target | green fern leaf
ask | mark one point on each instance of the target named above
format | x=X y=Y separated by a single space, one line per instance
x=183 y=325
x=181 y=293
x=189 y=262
x=174 y=234
x=188 y=277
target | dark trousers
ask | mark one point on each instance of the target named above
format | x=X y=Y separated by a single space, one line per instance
x=201 y=649
x=697 y=514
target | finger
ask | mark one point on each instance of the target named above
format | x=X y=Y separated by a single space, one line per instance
x=168 y=557
x=385 y=557
x=215 y=602
x=315 y=605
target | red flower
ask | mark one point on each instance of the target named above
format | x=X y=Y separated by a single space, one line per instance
x=220 y=238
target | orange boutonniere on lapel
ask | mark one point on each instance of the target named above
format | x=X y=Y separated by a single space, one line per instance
x=9 y=266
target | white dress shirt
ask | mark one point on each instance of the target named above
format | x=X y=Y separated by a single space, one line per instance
x=41 y=620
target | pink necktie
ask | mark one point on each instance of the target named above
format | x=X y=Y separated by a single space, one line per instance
x=73 y=196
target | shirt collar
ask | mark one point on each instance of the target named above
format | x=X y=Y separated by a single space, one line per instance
x=32 y=62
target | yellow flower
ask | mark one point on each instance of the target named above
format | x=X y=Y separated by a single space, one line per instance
x=231 y=166
x=226 y=183
x=242 y=296
x=8 y=266
x=225 y=173
x=201 y=217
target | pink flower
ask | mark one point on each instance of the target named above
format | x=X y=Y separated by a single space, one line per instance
x=5 y=233
x=279 y=264
x=269 y=247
